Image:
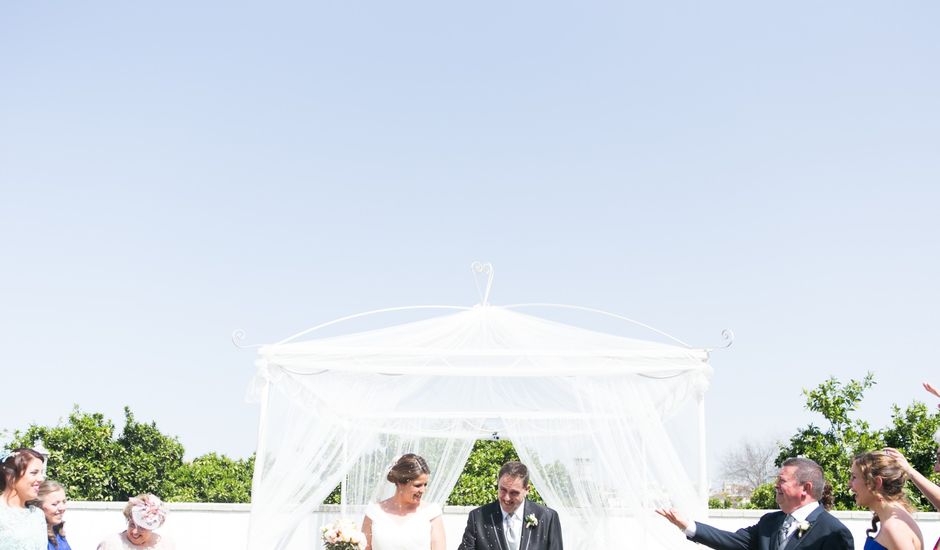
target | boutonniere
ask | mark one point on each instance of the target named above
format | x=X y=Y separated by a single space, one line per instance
x=802 y=528
x=531 y=521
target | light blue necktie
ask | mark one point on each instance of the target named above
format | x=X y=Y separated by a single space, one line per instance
x=784 y=529
x=511 y=537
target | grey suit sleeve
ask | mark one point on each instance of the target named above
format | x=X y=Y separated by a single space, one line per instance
x=724 y=540
x=468 y=542
x=554 y=533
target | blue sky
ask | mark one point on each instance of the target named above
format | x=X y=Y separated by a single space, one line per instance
x=171 y=172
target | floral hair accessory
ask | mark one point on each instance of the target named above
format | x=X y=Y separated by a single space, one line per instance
x=531 y=521
x=148 y=512
x=802 y=528
x=6 y=455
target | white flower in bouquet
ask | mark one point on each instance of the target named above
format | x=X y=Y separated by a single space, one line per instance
x=343 y=534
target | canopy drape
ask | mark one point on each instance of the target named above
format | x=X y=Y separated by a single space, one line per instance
x=587 y=411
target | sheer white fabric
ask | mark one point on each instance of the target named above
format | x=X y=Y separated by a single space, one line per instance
x=587 y=411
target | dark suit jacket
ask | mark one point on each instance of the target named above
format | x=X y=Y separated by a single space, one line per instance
x=485 y=529
x=825 y=533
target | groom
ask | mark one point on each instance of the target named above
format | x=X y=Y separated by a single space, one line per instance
x=801 y=524
x=512 y=522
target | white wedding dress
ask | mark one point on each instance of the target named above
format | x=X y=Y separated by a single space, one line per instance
x=410 y=532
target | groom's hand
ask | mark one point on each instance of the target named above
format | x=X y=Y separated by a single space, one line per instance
x=673 y=516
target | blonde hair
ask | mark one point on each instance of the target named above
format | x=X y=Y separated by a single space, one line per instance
x=878 y=464
x=46 y=488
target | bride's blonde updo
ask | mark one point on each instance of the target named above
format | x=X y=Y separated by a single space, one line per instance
x=407 y=468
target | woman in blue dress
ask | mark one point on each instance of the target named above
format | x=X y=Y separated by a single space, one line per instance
x=53 y=502
x=878 y=483
x=928 y=488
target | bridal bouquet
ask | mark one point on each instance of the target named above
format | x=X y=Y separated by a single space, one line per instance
x=343 y=534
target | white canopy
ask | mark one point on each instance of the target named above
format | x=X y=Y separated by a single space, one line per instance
x=586 y=411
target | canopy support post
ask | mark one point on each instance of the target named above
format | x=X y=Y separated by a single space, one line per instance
x=260 y=452
x=702 y=464
x=342 y=483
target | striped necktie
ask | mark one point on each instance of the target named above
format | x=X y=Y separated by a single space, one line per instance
x=784 y=531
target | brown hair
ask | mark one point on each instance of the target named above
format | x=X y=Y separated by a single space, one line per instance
x=407 y=469
x=878 y=464
x=46 y=488
x=516 y=469
x=14 y=466
x=827 y=499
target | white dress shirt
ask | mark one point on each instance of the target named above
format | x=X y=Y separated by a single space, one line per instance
x=516 y=522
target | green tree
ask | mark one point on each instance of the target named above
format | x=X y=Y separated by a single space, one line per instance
x=912 y=432
x=846 y=436
x=82 y=454
x=718 y=503
x=213 y=478
x=764 y=497
x=477 y=483
x=147 y=460
x=86 y=456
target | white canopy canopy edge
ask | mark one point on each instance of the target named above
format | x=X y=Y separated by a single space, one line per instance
x=589 y=412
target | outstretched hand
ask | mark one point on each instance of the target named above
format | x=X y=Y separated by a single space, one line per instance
x=931 y=389
x=673 y=516
x=899 y=458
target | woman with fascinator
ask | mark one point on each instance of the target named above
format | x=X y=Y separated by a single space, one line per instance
x=403 y=521
x=144 y=514
x=22 y=527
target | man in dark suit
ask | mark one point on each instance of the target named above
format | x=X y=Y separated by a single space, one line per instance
x=802 y=523
x=512 y=522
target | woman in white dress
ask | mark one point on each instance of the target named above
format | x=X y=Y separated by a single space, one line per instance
x=403 y=521
x=22 y=527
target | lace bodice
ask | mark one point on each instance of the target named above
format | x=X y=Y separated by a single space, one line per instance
x=22 y=528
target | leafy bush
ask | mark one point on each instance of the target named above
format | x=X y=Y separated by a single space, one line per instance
x=834 y=448
x=94 y=464
x=764 y=497
x=477 y=483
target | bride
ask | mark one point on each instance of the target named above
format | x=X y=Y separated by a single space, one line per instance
x=402 y=521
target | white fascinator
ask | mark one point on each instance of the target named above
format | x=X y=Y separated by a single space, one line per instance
x=148 y=511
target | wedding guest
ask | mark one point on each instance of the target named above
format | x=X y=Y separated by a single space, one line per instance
x=144 y=514
x=928 y=488
x=878 y=484
x=404 y=521
x=22 y=527
x=800 y=489
x=932 y=390
x=52 y=501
